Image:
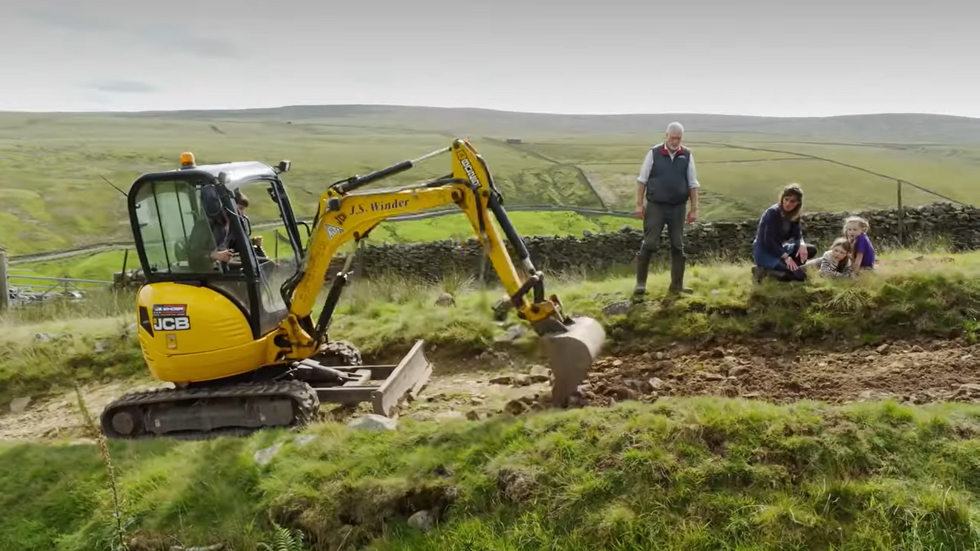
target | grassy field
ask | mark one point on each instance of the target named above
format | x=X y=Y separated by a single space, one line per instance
x=55 y=198
x=691 y=473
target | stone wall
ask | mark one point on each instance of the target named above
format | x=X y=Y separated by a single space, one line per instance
x=958 y=227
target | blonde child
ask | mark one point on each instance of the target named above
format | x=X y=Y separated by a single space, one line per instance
x=862 y=251
x=837 y=261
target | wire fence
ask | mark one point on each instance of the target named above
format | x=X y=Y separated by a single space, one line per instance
x=24 y=289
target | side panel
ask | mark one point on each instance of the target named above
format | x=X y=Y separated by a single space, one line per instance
x=191 y=333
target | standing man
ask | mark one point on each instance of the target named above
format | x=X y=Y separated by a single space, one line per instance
x=667 y=180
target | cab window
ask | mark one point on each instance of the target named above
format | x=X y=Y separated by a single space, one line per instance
x=180 y=227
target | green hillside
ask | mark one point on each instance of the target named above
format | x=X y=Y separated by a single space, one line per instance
x=54 y=196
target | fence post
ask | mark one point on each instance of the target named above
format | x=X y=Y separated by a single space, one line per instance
x=4 y=292
x=901 y=215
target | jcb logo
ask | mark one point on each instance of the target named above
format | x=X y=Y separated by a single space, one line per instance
x=178 y=323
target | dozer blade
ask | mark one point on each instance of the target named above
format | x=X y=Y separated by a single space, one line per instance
x=571 y=354
x=382 y=385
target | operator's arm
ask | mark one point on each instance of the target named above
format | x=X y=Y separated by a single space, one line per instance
x=641 y=180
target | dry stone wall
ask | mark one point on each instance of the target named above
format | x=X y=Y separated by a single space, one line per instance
x=957 y=227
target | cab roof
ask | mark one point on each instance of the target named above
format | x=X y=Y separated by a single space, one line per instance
x=239 y=173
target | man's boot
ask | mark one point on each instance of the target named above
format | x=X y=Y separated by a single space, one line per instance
x=677 y=264
x=642 y=269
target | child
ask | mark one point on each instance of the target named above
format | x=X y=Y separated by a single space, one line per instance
x=862 y=251
x=837 y=261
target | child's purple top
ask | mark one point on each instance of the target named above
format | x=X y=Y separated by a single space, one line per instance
x=863 y=246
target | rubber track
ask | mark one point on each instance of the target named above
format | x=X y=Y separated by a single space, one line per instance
x=304 y=398
x=339 y=354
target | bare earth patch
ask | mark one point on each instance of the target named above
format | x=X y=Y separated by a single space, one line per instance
x=61 y=417
x=912 y=372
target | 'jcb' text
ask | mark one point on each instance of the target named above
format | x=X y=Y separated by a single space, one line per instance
x=379 y=206
x=175 y=323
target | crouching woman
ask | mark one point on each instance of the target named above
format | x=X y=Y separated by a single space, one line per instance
x=778 y=247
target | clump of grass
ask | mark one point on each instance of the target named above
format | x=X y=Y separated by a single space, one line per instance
x=685 y=473
x=36 y=366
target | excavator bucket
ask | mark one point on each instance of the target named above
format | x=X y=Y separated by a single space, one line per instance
x=571 y=354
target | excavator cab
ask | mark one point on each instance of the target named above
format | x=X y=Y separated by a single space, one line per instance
x=191 y=236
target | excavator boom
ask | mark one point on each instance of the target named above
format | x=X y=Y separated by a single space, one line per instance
x=572 y=344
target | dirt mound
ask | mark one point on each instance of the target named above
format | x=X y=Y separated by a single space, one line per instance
x=913 y=372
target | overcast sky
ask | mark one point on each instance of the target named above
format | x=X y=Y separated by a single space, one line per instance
x=752 y=57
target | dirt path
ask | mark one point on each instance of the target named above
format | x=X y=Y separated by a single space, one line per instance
x=911 y=372
x=60 y=416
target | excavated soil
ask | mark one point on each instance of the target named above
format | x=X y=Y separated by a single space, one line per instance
x=914 y=372
x=494 y=383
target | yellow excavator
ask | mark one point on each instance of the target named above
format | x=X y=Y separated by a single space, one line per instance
x=244 y=355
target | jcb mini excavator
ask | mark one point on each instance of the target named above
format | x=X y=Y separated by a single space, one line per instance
x=242 y=356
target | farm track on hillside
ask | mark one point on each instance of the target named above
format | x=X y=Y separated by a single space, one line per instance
x=910 y=372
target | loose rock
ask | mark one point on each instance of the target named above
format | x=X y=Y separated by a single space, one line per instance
x=738 y=371
x=421 y=520
x=373 y=422
x=19 y=405
x=516 y=407
x=512 y=333
x=265 y=455
x=304 y=439
x=540 y=374
x=620 y=308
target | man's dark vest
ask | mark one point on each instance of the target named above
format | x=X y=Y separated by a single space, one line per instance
x=667 y=182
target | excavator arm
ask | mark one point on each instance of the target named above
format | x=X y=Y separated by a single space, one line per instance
x=572 y=344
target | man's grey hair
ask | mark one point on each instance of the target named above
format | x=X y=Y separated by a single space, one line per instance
x=675 y=127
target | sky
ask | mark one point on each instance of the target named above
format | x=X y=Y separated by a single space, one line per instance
x=740 y=57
